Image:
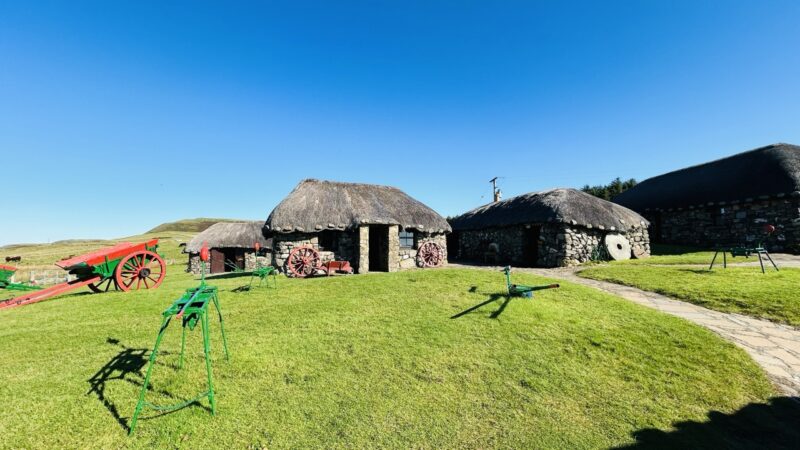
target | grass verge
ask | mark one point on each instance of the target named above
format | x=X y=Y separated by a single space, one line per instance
x=743 y=290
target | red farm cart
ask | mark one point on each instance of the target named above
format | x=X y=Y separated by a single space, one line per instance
x=124 y=267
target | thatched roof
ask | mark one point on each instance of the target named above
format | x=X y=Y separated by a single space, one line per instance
x=771 y=171
x=316 y=205
x=568 y=206
x=229 y=235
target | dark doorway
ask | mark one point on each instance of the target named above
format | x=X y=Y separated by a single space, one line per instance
x=655 y=228
x=530 y=246
x=378 y=248
x=452 y=244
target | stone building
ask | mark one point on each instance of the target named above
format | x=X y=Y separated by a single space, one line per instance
x=374 y=228
x=231 y=246
x=728 y=201
x=559 y=227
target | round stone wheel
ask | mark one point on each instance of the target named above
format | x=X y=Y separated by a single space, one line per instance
x=618 y=247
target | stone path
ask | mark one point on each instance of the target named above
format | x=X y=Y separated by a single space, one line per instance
x=774 y=347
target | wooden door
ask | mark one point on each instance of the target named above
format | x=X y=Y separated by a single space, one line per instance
x=217 y=261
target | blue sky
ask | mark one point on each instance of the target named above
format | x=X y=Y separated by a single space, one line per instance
x=117 y=116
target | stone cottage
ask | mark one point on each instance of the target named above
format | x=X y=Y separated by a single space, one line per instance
x=374 y=228
x=231 y=246
x=728 y=201
x=559 y=227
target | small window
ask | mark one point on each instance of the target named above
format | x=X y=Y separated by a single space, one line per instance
x=407 y=239
x=327 y=240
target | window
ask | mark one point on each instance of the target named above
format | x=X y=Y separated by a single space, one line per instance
x=407 y=239
x=327 y=240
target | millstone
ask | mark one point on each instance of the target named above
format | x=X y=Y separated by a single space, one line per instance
x=618 y=247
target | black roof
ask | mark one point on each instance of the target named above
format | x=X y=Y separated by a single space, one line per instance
x=765 y=172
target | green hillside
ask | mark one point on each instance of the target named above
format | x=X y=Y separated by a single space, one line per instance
x=191 y=225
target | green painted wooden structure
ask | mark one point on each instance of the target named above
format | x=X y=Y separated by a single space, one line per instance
x=190 y=309
x=6 y=273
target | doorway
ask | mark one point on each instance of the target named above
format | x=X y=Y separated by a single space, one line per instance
x=530 y=246
x=378 y=248
x=452 y=244
x=227 y=260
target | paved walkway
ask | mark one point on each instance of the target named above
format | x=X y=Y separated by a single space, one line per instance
x=773 y=346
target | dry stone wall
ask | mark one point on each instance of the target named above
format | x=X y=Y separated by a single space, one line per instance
x=732 y=223
x=558 y=245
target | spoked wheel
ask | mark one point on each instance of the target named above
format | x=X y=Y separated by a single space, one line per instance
x=303 y=261
x=141 y=270
x=106 y=285
x=430 y=254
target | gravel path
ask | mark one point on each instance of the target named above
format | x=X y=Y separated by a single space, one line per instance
x=774 y=346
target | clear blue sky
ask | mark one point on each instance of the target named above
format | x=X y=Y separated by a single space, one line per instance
x=117 y=116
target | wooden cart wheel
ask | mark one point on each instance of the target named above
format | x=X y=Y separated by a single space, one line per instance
x=106 y=285
x=430 y=254
x=140 y=270
x=303 y=261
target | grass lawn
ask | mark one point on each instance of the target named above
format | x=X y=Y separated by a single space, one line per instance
x=376 y=361
x=742 y=290
x=673 y=254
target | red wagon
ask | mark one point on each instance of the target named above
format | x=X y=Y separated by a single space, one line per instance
x=125 y=266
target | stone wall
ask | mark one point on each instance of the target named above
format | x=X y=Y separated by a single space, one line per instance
x=558 y=244
x=353 y=246
x=407 y=256
x=344 y=250
x=732 y=223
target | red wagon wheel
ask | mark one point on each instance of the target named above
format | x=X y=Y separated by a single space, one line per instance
x=303 y=261
x=430 y=254
x=140 y=270
x=104 y=285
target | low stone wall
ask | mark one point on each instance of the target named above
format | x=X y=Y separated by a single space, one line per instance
x=408 y=255
x=283 y=244
x=558 y=244
x=732 y=223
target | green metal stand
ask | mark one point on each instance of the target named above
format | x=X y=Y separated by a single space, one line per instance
x=191 y=308
x=735 y=251
x=263 y=273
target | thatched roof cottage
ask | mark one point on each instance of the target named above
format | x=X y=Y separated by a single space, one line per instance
x=231 y=246
x=375 y=228
x=725 y=201
x=559 y=227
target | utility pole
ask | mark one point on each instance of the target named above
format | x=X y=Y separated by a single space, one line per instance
x=495 y=191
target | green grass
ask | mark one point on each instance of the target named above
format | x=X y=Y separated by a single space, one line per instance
x=743 y=290
x=671 y=254
x=372 y=361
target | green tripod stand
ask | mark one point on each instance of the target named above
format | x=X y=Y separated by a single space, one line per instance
x=190 y=309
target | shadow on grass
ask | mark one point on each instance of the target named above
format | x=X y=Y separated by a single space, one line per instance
x=128 y=366
x=770 y=425
x=492 y=298
x=226 y=275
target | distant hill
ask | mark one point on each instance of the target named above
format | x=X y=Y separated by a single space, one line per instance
x=190 y=225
